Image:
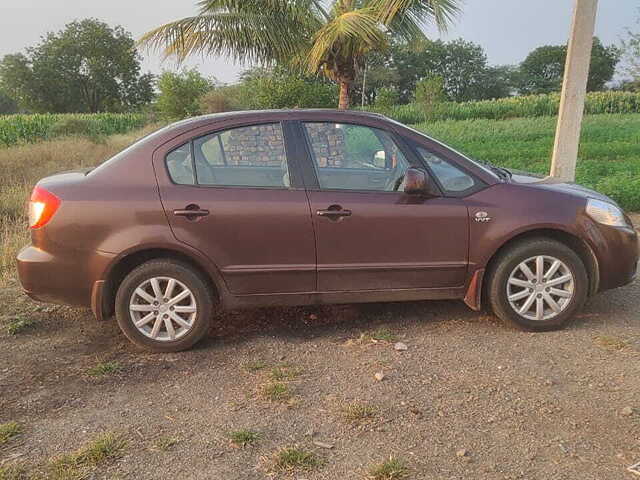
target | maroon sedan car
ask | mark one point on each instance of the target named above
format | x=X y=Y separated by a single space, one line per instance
x=303 y=207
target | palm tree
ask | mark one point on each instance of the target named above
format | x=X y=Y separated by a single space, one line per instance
x=327 y=37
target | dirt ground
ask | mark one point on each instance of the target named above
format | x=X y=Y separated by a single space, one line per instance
x=469 y=398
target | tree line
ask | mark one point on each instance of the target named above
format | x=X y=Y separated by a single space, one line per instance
x=91 y=67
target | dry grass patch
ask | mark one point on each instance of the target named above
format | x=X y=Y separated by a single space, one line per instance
x=80 y=464
x=276 y=392
x=609 y=342
x=19 y=325
x=295 y=459
x=392 y=469
x=8 y=431
x=255 y=366
x=359 y=412
x=242 y=438
x=14 y=472
x=284 y=373
x=164 y=444
x=104 y=368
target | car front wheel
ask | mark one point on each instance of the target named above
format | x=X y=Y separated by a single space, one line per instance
x=537 y=284
x=164 y=306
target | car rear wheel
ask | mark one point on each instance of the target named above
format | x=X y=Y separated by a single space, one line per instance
x=164 y=306
x=537 y=284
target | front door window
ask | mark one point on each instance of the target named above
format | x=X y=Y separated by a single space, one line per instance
x=355 y=157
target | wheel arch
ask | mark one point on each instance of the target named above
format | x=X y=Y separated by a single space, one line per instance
x=578 y=245
x=124 y=264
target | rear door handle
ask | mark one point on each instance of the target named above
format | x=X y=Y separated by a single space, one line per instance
x=334 y=212
x=192 y=212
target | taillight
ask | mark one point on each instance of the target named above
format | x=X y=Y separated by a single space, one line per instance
x=42 y=206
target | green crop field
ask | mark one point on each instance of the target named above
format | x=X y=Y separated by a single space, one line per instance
x=16 y=129
x=609 y=158
x=528 y=106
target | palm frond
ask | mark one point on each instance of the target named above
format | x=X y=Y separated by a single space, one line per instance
x=412 y=14
x=288 y=7
x=246 y=37
x=340 y=43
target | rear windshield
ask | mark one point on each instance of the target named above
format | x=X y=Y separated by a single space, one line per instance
x=136 y=143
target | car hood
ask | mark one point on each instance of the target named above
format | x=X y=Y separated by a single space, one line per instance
x=550 y=183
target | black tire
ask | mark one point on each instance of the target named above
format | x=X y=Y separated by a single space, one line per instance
x=185 y=274
x=509 y=259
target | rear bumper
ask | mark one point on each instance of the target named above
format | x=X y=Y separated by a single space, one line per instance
x=65 y=278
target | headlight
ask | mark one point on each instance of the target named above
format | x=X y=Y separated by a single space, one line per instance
x=605 y=213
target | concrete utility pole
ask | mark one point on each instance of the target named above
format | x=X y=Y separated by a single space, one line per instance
x=574 y=89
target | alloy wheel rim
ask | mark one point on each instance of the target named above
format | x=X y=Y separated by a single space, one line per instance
x=163 y=309
x=540 y=288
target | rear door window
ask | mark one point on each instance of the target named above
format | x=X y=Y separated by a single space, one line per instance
x=252 y=156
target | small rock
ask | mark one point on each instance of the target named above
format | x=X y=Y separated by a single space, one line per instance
x=379 y=376
x=322 y=444
x=627 y=411
x=462 y=453
x=400 y=347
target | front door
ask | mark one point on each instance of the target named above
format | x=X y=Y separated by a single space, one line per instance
x=369 y=234
x=229 y=194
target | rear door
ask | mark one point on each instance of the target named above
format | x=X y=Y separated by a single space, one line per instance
x=234 y=195
x=370 y=235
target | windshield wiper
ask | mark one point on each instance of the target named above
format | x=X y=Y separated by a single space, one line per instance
x=501 y=172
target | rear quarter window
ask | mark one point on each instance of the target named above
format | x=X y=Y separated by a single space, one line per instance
x=180 y=166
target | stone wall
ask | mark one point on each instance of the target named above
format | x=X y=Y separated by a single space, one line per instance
x=327 y=143
x=260 y=145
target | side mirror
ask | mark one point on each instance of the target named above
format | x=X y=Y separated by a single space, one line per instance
x=416 y=182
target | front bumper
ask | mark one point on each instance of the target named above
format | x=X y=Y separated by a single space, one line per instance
x=617 y=253
x=61 y=277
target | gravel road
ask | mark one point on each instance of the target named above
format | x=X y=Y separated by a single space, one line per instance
x=468 y=398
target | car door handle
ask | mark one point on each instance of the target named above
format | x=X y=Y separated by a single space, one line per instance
x=334 y=212
x=191 y=212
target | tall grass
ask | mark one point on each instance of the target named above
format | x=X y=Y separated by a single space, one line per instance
x=16 y=129
x=608 y=161
x=22 y=166
x=528 y=106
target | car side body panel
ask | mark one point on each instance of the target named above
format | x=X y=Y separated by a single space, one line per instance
x=115 y=211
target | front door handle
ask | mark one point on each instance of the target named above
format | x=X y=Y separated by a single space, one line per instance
x=192 y=212
x=334 y=212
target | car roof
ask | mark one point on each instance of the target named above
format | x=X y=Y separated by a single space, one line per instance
x=261 y=115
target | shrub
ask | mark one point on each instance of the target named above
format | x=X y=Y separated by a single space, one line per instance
x=180 y=93
x=215 y=101
x=386 y=97
x=430 y=94
x=272 y=89
x=71 y=126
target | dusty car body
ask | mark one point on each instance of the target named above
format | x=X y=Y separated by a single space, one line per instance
x=306 y=207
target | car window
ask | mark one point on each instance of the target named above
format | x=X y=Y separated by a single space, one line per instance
x=451 y=178
x=355 y=157
x=180 y=166
x=251 y=156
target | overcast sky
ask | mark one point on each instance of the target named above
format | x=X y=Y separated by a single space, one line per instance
x=507 y=29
